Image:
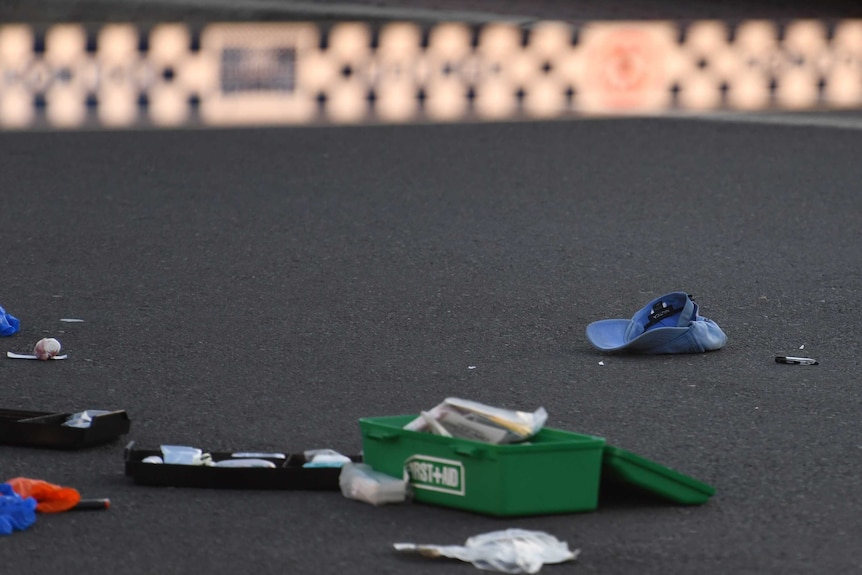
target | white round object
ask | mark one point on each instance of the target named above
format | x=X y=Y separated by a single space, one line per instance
x=46 y=348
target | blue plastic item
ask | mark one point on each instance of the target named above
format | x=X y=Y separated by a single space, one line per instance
x=16 y=513
x=668 y=324
x=8 y=323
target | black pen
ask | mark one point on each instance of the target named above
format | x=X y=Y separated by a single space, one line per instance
x=92 y=505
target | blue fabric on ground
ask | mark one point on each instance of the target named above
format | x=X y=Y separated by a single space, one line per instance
x=16 y=513
x=9 y=324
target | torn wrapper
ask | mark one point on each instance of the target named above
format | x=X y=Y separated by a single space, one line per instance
x=510 y=551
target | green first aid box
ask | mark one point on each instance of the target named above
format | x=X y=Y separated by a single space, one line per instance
x=633 y=472
x=555 y=472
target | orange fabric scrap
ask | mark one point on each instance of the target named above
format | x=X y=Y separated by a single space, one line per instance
x=49 y=498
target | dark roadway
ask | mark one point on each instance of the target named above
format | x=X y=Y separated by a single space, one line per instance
x=263 y=289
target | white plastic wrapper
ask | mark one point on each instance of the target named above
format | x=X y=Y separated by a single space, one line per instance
x=244 y=462
x=258 y=455
x=324 y=458
x=310 y=454
x=479 y=422
x=359 y=481
x=509 y=551
x=83 y=418
x=183 y=455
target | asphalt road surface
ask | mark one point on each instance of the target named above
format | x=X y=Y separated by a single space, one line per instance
x=264 y=289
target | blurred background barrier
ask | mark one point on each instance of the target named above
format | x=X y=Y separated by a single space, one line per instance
x=247 y=74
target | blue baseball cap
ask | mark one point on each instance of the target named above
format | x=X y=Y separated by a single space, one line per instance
x=667 y=324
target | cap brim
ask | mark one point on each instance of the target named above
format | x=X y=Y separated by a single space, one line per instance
x=610 y=334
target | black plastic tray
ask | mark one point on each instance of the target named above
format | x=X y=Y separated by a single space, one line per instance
x=290 y=474
x=45 y=429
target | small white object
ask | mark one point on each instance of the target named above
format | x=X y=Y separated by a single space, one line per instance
x=434 y=425
x=46 y=348
x=14 y=355
x=802 y=346
x=359 y=481
x=182 y=455
x=244 y=462
x=324 y=458
x=258 y=455
x=71 y=320
x=471 y=367
x=152 y=459
x=327 y=461
x=83 y=419
x=601 y=363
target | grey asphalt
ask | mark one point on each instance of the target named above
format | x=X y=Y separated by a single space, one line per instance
x=265 y=289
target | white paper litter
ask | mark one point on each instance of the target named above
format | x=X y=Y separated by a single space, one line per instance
x=71 y=320
x=802 y=346
x=30 y=356
x=601 y=363
x=509 y=551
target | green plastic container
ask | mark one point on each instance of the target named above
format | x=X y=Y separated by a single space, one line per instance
x=625 y=468
x=555 y=472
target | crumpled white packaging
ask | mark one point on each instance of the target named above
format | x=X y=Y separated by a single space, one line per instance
x=83 y=419
x=359 y=481
x=509 y=551
x=479 y=422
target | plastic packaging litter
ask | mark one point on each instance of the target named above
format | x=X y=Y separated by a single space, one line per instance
x=244 y=462
x=473 y=420
x=186 y=455
x=359 y=481
x=182 y=455
x=258 y=455
x=16 y=513
x=83 y=418
x=9 y=324
x=324 y=458
x=509 y=551
x=50 y=498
